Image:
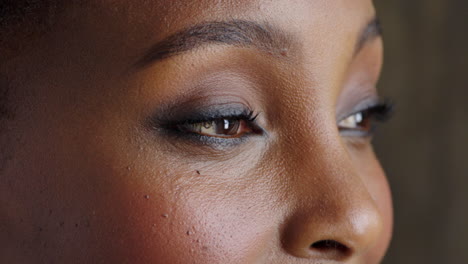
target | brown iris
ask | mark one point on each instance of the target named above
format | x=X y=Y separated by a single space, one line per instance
x=223 y=128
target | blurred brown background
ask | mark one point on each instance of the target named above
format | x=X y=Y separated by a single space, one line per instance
x=424 y=149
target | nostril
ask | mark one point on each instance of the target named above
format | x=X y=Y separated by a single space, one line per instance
x=330 y=247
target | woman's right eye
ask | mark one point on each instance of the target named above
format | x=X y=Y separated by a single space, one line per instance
x=216 y=126
x=221 y=128
x=362 y=122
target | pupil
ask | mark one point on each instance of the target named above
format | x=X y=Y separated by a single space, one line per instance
x=226 y=127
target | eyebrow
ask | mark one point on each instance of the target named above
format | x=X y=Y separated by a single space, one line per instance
x=239 y=33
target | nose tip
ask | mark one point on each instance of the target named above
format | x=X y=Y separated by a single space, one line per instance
x=365 y=228
x=331 y=234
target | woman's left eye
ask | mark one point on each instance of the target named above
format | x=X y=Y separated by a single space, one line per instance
x=221 y=128
x=356 y=121
x=363 y=122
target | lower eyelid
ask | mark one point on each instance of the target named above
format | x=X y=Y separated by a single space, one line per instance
x=213 y=143
x=356 y=133
x=358 y=142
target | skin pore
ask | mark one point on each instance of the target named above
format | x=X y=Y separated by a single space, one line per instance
x=196 y=132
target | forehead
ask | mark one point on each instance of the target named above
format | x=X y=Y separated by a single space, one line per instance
x=315 y=23
x=298 y=14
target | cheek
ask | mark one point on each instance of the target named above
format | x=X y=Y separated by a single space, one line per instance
x=177 y=222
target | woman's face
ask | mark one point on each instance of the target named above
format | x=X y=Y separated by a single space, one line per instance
x=198 y=132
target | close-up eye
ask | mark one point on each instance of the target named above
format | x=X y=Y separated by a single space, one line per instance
x=221 y=127
x=212 y=126
x=363 y=122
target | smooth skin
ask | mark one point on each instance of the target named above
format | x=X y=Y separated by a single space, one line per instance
x=88 y=179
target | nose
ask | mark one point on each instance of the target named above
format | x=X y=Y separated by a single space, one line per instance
x=333 y=218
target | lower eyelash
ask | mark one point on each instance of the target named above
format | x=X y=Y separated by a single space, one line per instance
x=214 y=143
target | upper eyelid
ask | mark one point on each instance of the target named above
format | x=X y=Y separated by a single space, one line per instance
x=363 y=105
x=352 y=113
x=247 y=117
x=199 y=110
x=237 y=113
x=380 y=112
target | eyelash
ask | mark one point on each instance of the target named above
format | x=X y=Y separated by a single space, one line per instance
x=184 y=129
x=380 y=112
x=247 y=120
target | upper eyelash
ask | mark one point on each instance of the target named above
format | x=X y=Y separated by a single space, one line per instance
x=249 y=117
x=381 y=111
x=172 y=128
x=173 y=125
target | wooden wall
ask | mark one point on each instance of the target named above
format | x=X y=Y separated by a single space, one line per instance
x=425 y=148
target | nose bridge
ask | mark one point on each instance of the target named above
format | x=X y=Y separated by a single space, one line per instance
x=328 y=178
x=334 y=216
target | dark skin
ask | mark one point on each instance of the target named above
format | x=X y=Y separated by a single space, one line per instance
x=228 y=150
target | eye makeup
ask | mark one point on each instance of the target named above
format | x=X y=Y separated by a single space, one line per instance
x=362 y=123
x=217 y=126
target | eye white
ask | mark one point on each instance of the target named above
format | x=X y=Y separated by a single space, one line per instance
x=352 y=121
